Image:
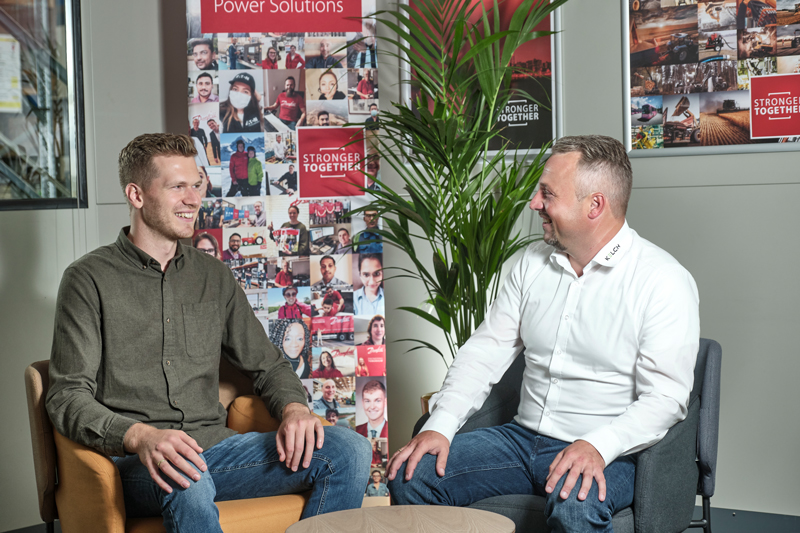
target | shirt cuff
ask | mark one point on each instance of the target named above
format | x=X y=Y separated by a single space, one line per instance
x=114 y=442
x=606 y=442
x=442 y=422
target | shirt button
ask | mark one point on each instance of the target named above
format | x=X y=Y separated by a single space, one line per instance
x=547 y=413
x=558 y=352
x=169 y=362
x=566 y=317
x=144 y=267
x=555 y=380
x=168 y=320
x=174 y=402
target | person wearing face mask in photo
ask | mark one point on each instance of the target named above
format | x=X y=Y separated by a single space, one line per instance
x=238 y=170
x=329 y=87
x=293 y=340
x=271 y=61
x=373 y=122
x=240 y=112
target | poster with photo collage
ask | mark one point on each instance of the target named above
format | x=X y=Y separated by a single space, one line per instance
x=693 y=65
x=267 y=105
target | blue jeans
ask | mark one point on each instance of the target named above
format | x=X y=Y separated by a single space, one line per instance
x=510 y=459
x=247 y=466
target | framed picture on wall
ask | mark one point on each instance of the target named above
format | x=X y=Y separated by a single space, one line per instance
x=42 y=152
x=532 y=119
x=711 y=77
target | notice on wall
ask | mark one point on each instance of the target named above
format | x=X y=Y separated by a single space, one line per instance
x=270 y=86
x=10 y=88
x=714 y=73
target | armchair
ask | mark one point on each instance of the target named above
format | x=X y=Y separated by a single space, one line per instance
x=81 y=486
x=669 y=474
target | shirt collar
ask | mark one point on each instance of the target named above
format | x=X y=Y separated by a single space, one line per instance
x=613 y=252
x=139 y=257
x=609 y=255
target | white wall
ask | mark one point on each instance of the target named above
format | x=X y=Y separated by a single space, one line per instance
x=124 y=96
x=729 y=219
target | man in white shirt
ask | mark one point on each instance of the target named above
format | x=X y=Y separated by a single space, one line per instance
x=608 y=324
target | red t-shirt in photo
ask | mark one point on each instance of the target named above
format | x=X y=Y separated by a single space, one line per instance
x=297 y=62
x=291 y=107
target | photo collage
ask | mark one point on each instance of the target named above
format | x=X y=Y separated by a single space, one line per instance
x=691 y=64
x=313 y=273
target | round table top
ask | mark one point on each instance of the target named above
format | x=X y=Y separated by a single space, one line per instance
x=406 y=518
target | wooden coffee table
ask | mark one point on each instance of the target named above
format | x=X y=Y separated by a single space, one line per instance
x=406 y=518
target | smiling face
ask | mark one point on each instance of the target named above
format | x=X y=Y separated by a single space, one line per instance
x=329 y=390
x=562 y=214
x=294 y=212
x=371 y=275
x=204 y=86
x=326 y=360
x=257 y=207
x=328 y=85
x=294 y=340
x=171 y=201
x=344 y=237
x=290 y=296
x=202 y=55
x=376 y=477
x=377 y=331
x=213 y=125
x=196 y=123
x=374 y=403
x=234 y=243
x=361 y=361
x=272 y=54
x=289 y=86
x=332 y=417
x=327 y=268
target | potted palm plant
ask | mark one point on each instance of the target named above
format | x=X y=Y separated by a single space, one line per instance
x=459 y=202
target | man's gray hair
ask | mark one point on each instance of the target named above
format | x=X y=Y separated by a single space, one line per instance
x=603 y=167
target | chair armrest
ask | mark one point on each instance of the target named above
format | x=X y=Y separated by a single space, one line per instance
x=84 y=471
x=666 y=479
x=248 y=413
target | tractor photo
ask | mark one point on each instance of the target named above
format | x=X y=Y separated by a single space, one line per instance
x=682 y=131
x=715 y=42
x=679 y=47
x=254 y=239
x=728 y=106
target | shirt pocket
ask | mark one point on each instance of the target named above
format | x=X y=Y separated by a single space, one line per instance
x=203 y=330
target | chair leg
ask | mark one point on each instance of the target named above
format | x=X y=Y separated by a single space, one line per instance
x=704 y=522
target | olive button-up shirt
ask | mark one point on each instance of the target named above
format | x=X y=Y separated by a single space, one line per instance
x=133 y=343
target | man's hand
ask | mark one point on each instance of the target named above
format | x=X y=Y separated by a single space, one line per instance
x=430 y=442
x=164 y=450
x=579 y=458
x=296 y=436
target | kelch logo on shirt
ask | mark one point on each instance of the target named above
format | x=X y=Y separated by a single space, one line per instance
x=612 y=252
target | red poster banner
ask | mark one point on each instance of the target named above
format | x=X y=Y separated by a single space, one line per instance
x=329 y=164
x=236 y=16
x=774 y=106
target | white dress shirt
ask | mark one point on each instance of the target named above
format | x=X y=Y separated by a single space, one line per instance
x=609 y=356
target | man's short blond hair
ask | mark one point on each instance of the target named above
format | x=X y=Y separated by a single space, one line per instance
x=603 y=167
x=136 y=159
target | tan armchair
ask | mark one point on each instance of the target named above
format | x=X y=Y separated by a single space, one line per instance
x=81 y=486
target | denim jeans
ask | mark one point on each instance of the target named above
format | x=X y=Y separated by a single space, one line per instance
x=291 y=123
x=247 y=466
x=510 y=459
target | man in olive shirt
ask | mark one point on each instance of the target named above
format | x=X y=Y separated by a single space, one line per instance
x=140 y=328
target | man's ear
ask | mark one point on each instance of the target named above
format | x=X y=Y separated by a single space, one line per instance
x=134 y=195
x=598 y=205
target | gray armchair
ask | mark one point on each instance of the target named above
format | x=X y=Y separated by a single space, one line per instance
x=668 y=474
